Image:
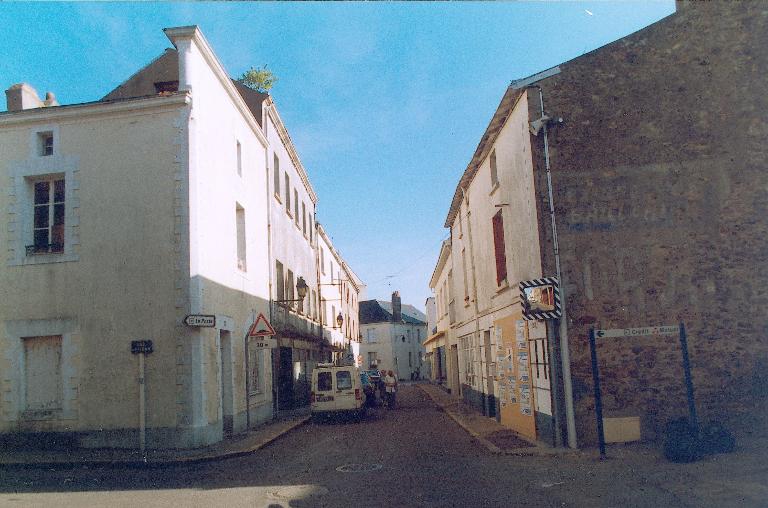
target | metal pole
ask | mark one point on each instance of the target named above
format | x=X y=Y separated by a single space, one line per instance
x=688 y=379
x=142 y=408
x=598 y=397
x=570 y=413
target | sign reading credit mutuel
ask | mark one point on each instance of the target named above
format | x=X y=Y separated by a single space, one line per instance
x=201 y=320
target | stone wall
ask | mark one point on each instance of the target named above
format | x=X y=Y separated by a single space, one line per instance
x=659 y=183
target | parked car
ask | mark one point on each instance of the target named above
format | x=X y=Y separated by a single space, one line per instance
x=337 y=390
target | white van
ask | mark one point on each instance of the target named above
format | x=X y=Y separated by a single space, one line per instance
x=337 y=389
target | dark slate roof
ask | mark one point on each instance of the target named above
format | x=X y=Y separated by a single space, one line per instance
x=166 y=68
x=380 y=311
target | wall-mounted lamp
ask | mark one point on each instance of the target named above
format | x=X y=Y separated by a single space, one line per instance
x=301 y=290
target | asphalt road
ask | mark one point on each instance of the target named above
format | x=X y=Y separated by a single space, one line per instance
x=414 y=455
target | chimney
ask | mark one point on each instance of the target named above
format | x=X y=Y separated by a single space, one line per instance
x=397 y=313
x=21 y=96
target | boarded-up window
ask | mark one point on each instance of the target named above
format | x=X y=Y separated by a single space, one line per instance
x=255 y=360
x=498 y=248
x=240 y=220
x=42 y=373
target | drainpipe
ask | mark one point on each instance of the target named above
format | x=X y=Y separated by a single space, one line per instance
x=474 y=278
x=270 y=264
x=564 y=352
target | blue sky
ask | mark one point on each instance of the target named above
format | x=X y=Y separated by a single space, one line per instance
x=385 y=102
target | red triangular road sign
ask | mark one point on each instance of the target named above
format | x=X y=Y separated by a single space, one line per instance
x=261 y=327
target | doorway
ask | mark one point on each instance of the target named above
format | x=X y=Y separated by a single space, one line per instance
x=453 y=372
x=285 y=379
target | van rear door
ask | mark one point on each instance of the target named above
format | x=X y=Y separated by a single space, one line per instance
x=345 y=390
x=324 y=396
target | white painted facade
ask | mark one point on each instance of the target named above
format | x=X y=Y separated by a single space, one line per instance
x=169 y=209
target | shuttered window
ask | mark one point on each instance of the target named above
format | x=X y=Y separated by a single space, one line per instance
x=498 y=248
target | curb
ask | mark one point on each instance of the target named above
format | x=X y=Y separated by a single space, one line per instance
x=529 y=451
x=194 y=459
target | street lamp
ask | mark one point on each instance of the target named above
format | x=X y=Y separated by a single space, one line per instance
x=301 y=290
x=339 y=320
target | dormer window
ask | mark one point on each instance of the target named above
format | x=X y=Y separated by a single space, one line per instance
x=45 y=143
x=166 y=87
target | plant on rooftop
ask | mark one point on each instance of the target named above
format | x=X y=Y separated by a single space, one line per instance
x=258 y=78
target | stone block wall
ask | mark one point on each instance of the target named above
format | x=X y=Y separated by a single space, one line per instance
x=661 y=201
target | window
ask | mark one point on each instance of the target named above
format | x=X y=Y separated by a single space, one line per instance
x=312 y=304
x=239 y=159
x=287 y=194
x=464 y=274
x=279 y=281
x=324 y=312
x=343 y=380
x=45 y=143
x=333 y=316
x=48 y=225
x=494 y=171
x=324 y=381
x=372 y=360
x=296 y=205
x=322 y=261
x=166 y=87
x=276 y=176
x=240 y=219
x=304 y=218
x=310 y=228
x=466 y=346
x=410 y=360
x=255 y=360
x=42 y=373
x=418 y=335
x=498 y=248
x=290 y=288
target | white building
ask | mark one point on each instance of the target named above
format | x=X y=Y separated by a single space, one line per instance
x=392 y=337
x=125 y=215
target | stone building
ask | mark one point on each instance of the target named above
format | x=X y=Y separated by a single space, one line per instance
x=123 y=216
x=655 y=149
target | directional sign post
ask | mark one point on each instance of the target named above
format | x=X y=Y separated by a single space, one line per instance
x=200 y=320
x=640 y=332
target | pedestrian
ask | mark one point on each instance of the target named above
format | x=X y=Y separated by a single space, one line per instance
x=390 y=381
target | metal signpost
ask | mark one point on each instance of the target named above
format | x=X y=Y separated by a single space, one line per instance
x=262 y=329
x=142 y=348
x=638 y=332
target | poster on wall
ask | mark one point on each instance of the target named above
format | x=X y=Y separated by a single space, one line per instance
x=520 y=330
x=525 y=409
x=525 y=392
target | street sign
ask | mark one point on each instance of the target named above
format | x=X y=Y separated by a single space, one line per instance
x=263 y=343
x=201 y=320
x=638 y=332
x=141 y=347
x=261 y=327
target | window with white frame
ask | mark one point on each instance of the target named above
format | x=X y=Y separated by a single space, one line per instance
x=45 y=143
x=468 y=358
x=304 y=218
x=49 y=215
x=370 y=336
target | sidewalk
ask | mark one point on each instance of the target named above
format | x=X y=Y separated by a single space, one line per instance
x=494 y=436
x=240 y=444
